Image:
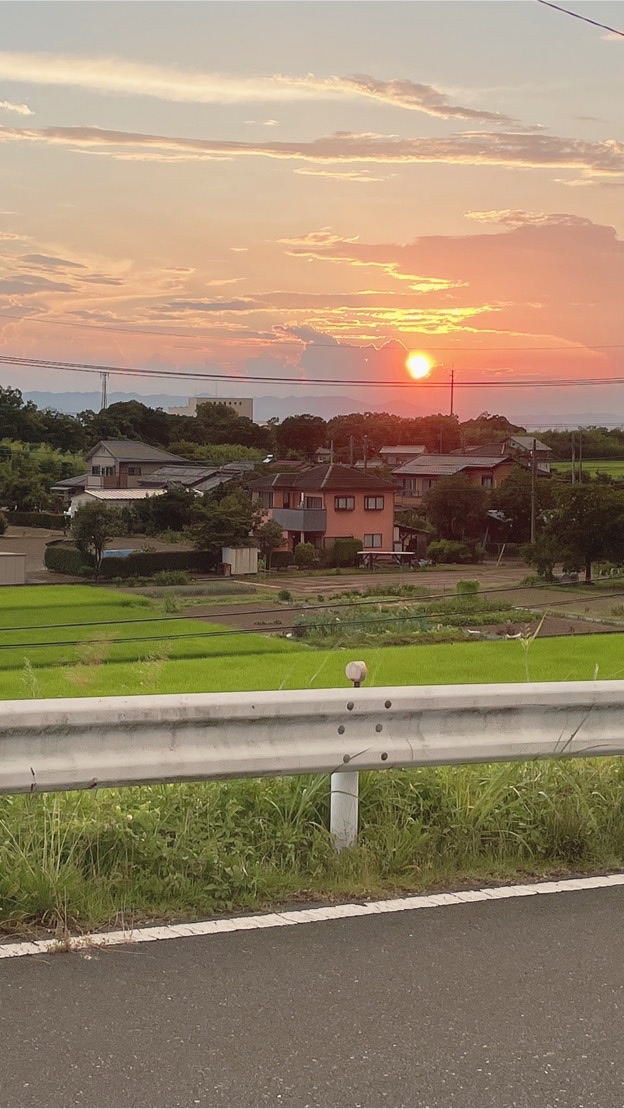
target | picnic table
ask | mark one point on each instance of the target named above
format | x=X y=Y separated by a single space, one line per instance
x=371 y=558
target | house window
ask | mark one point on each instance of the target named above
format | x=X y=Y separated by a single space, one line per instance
x=427 y=484
x=373 y=504
x=266 y=500
x=108 y=471
x=314 y=502
x=373 y=539
x=136 y=470
x=286 y=501
x=486 y=481
x=344 y=504
x=95 y=471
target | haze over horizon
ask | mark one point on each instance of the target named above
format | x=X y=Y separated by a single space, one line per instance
x=306 y=192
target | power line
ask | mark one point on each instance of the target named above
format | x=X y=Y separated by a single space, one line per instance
x=298 y=343
x=131 y=371
x=583 y=18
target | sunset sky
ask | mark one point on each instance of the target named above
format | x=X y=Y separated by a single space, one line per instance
x=265 y=188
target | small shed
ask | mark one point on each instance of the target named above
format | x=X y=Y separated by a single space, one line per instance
x=12 y=568
x=241 y=560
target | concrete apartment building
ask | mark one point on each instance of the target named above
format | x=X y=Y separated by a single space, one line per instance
x=242 y=406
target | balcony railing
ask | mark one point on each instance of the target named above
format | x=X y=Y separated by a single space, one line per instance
x=301 y=519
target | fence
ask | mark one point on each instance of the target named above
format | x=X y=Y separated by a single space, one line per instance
x=85 y=743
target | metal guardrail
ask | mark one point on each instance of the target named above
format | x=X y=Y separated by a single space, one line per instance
x=86 y=743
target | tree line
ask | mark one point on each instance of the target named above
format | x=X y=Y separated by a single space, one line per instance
x=216 y=425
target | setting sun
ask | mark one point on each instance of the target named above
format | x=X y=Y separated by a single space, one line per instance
x=418 y=365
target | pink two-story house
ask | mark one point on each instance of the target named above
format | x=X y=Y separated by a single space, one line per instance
x=329 y=502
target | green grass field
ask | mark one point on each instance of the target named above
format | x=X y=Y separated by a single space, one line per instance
x=612 y=466
x=78 y=860
x=176 y=655
x=61 y=628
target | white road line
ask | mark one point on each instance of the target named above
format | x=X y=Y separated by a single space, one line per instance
x=303 y=916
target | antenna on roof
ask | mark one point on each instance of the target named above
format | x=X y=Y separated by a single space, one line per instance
x=104 y=396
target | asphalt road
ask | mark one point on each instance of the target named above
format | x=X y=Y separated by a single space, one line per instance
x=499 y=1003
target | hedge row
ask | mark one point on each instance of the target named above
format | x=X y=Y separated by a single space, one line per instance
x=280 y=560
x=65 y=559
x=450 y=550
x=344 y=552
x=53 y=520
x=145 y=563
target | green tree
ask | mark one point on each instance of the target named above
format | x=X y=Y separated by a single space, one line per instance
x=301 y=435
x=513 y=498
x=216 y=423
x=93 y=524
x=305 y=555
x=587 y=525
x=27 y=470
x=225 y=518
x=270 y=537
x=544 y=555
x=216 y=454
x=487 y=428
x=172 y=511
x=456 y=508
x=128 y=420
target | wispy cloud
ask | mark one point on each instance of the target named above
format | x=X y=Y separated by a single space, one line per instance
x=361 y=175
x=528 y=150
x=19 y=109
x=121 y=76
x=51 y=262
x=515 y=217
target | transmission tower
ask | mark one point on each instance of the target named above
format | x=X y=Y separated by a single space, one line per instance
x=104 y=397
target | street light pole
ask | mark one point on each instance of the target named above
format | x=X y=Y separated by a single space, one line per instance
x=452 y=383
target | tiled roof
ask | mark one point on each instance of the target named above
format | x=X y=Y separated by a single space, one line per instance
x=181 y=475
x=332 y=476
x=71 y=482
x=526 y=441
x=129 y=450
x=440 y=464
x=214 y=481
x=416 y=448
x=484 y=450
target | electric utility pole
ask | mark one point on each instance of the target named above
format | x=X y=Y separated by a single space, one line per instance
x=533 y=490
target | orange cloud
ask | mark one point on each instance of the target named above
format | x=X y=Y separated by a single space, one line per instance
x=119 y=75
x=464 y=148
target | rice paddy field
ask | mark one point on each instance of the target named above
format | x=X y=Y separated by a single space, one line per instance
x=120 y=856
x=64 y=641
x=612 y=466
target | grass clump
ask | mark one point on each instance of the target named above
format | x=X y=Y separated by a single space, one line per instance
x=403 y=624
x=83 y=859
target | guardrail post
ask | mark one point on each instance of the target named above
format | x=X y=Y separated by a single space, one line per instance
x=343 y=813
x=345 y=784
